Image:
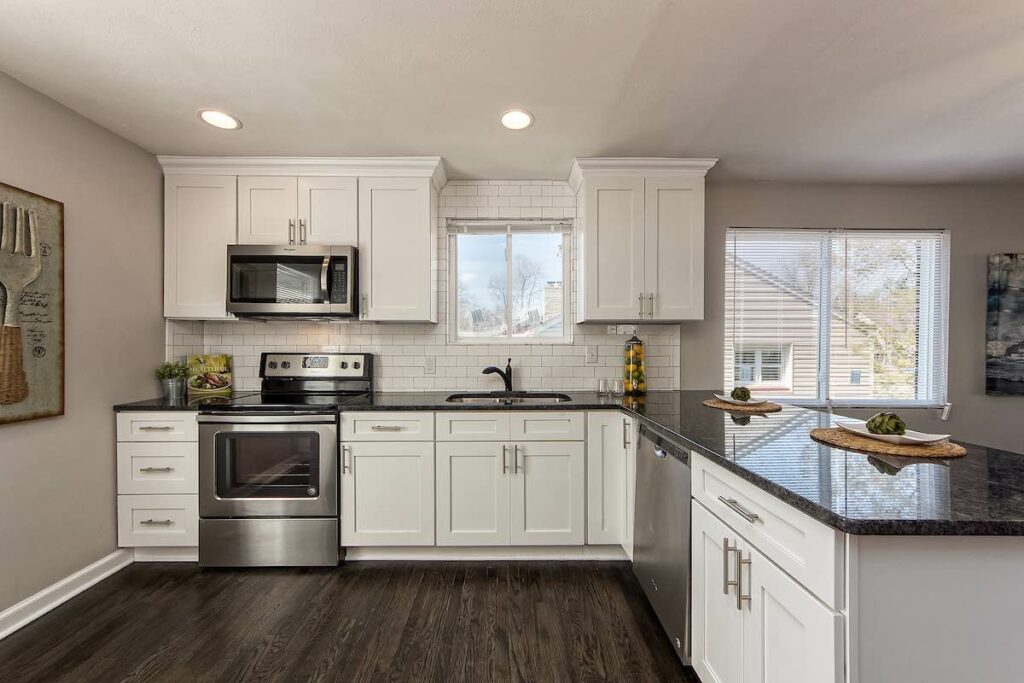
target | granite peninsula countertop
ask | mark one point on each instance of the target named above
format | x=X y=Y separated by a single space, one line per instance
x=980 y=494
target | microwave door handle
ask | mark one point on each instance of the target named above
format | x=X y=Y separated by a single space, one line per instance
x=325 y=289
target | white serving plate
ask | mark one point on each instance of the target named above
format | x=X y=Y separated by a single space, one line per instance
x=729 y=399
x=911 y=437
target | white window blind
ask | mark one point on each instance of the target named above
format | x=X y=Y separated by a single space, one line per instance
x=859 y=315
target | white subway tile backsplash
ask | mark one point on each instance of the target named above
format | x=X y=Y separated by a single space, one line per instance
x=400 y=349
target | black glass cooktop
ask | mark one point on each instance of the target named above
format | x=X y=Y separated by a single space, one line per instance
x=279 y=401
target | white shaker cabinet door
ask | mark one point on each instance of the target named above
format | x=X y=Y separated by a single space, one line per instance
x=387 y=494
x=473 y=493
x=607 y=448
x=548 y=490
x=267 y=210
x=199 y=224
x=674 y=246
x=717 y=622
x=613 y=248
x=397 y=250
x=328 y=210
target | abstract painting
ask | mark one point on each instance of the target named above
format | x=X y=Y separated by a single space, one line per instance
x=32 y=305
x=1004 y=338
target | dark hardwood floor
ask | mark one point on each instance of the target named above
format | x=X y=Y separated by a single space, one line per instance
x=364 y=621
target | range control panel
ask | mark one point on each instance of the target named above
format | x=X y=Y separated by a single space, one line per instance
x=316 y=365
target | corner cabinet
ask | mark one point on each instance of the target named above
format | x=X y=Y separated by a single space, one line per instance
x=640 y=238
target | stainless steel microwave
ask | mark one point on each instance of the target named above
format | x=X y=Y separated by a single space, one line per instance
x=292 y=280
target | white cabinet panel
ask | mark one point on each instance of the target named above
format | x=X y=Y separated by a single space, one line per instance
x=608 y=440
x=157 y=426
x=387 y=426
x=397 y=249
x=789 y=636
x=674 y=247
x=157 y=521
x=473 y=493
x=546 y=425
x=460 y=425
x=267 y=207
x=199 y=223
x=548 y=489
x=613 y=248
x=155 y=467
x=717 y=623
x=387 y=494
x=328 y=210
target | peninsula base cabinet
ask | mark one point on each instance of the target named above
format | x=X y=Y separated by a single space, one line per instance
x=610 y=479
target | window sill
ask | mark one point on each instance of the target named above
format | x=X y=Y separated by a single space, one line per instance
x=506 y=341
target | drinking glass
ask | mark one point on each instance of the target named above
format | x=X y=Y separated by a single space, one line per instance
x=618 y=388
x=604 y=387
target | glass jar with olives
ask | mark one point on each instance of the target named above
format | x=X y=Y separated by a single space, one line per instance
x=635 y=370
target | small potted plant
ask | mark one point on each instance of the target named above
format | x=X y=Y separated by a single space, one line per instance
x=172 y=377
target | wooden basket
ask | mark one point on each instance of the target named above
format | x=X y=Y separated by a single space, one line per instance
x=840 y=438
x=768 y=407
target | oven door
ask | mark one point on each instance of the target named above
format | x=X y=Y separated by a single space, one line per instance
x=278 y=280
x=268 y=466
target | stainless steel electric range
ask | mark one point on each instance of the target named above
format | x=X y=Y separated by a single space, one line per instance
x=268 y=463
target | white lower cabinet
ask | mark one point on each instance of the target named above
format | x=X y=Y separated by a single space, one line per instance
x=609 y=499
x=752 y=623
x=387 y=493
x=519 y=493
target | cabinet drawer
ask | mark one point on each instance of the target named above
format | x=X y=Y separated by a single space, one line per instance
x=809 y=551
x=162 y=426
x=157 y=521
x=472 y=426
x=546 y=425
x=152 y=467
x=387 y=426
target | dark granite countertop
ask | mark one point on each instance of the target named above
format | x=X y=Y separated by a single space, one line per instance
x=979 y=494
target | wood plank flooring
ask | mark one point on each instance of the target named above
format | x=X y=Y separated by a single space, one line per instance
x=364 y=621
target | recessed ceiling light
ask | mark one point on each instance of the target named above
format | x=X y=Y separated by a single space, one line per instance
x=517 y=119
x=219 y=119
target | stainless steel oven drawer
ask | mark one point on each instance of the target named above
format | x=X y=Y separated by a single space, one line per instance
x=308 y=542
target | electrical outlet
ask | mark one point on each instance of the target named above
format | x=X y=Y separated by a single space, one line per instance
x=627 y=329
x=591 y=354
x=429 y=365
x=613 y=329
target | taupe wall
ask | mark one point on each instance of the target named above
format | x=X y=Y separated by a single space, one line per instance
x=983 y=220
x=57 y=475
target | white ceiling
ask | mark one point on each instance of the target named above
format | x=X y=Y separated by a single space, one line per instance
x=819 y=90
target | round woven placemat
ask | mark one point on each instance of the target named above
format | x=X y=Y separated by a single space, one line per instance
x=854 y=442
x=768 y=407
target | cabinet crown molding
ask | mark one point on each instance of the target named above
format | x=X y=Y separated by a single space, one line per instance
x=647 y=166
x=395 y=167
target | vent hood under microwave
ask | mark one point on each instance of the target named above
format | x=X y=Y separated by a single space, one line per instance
x=292 y=281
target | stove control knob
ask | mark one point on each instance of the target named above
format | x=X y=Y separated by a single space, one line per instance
x=355 y=365
x=344 y=365
x=285 y=364
x=272 y=364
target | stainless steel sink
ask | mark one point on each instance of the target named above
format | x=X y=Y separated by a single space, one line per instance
x=509 y=397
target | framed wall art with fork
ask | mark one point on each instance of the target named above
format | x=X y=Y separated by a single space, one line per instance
x=31 y=305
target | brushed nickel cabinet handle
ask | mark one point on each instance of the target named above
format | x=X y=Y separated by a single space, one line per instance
x=740 y=563
x=734 y=505
x=156 y=469
x=157 y=522
x=515 y=459
x=504 y=458
x=625 y=434
x=641 y=300
x=385 y=428
x=291 y=231
x=155 y=429
x=726 y=549
x=650 y=299
x=363 y=313
x=346 y=455
x=302 y=231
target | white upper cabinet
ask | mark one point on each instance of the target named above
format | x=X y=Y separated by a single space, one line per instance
x=328 y=210
x=641 y=238
x=398 y=249
x=199 y=223
x=267 y=208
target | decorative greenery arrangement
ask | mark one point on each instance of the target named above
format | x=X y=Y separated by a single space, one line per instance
x=887 y=423
x=741 y=394
x=172 y=371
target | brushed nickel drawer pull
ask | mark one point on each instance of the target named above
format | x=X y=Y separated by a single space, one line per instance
x=740 y=563
x=155 y=429
x=733 y=505
x=726 y=549
x=625 y=434
x=385 y=428
x=346 y=453
x=156 y=469
x=157 y=522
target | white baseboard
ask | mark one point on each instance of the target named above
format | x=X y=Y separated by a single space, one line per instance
x=162 y=554
x=35 y=606
x=485 y=553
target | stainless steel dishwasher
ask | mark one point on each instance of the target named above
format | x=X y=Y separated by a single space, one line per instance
x=661 y=534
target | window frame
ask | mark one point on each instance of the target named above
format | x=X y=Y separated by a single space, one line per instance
x=938 y=345
x=456 y=227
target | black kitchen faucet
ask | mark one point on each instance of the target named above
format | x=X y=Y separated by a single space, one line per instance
x=506 y=374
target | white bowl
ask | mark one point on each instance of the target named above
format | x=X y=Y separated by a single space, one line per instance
x=729 y=399
x=911 y=437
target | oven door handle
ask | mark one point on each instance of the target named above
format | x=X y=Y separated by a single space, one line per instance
x=325 y=290
x=251 y=418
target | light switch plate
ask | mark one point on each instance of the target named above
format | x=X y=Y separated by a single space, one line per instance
x=591 y=354
x=627 y=329
x=613 y=329
x=429 y=365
